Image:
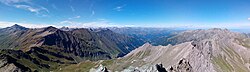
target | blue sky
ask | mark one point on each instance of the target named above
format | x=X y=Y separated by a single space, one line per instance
x=142 y=13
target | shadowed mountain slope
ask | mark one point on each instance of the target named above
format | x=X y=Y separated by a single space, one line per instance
x=76 y=45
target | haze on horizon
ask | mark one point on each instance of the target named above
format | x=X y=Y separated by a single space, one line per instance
x=232 y=14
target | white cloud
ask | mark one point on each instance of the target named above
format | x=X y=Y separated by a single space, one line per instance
x=92 y=13
x=119 y=8
x=54 y=6
x=99 y=23
x=248 y=18
x=26 y=5
x=66 y=22
x=72 y=8
x=37 y=10
x=76 y=17
x=4 y=24
x=10 y=2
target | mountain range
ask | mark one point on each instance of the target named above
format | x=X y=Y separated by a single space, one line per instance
x=125 y=49
x=51 y=45
x=211 y=50
x=154 y=36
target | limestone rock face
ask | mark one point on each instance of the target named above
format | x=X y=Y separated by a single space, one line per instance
x=10 y=68
x=146 y=68
x=182 y=66
x=8 y=64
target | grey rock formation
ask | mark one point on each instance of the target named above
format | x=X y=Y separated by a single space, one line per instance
x=212 y=50
x=6 y=67
x=182 y=66
x=8 y=64
x=146 y=68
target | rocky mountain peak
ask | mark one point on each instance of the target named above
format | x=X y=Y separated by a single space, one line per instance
x=50 y=29
x=66 y=28
x=18 y=27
